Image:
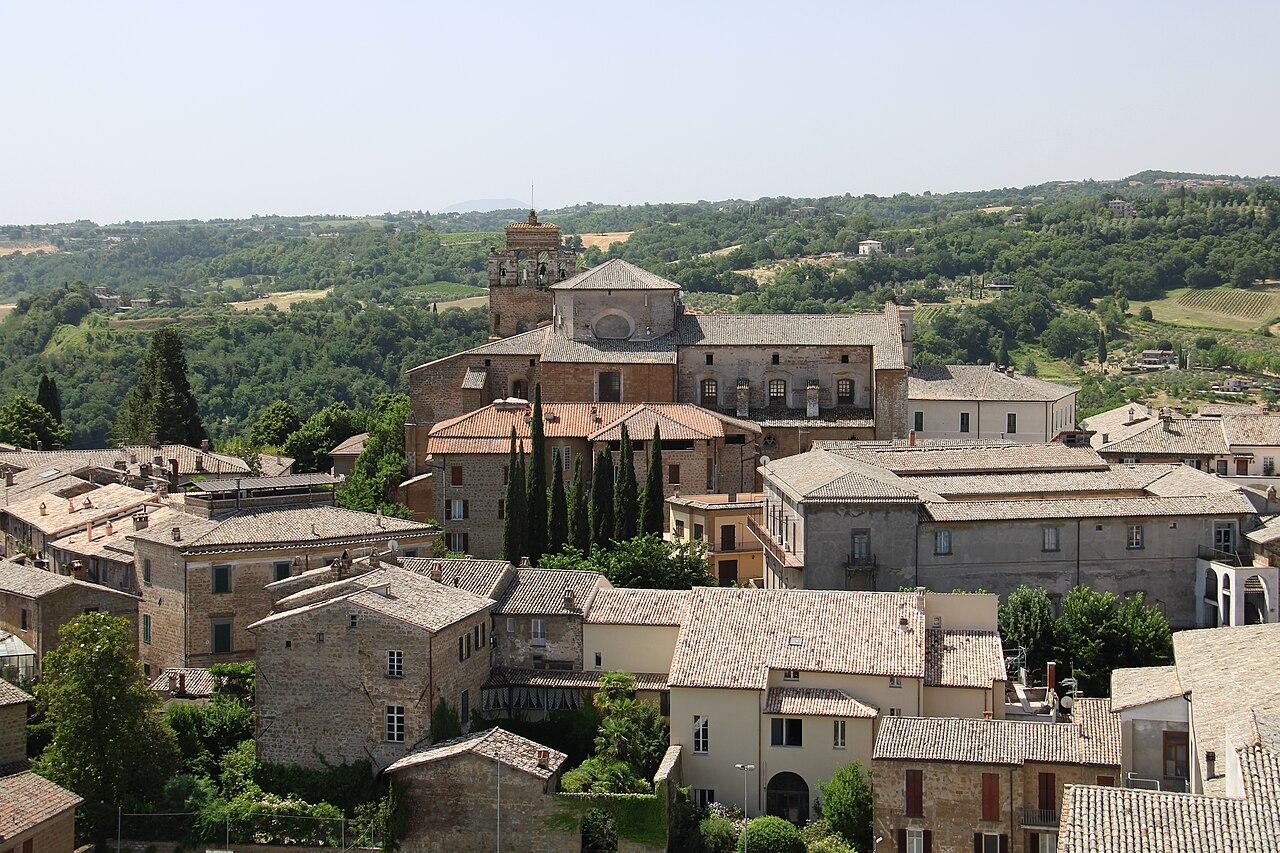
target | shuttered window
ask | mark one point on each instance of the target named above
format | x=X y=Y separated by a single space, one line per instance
x=915 y=793
x=990 y=796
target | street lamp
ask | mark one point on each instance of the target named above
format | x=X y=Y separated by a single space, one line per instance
x=746 y=797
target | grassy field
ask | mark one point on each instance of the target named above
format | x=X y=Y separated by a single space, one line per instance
x=1143 y=331
x=436 y=291
x=463 y=238
x=283 y=301
x=5 y=308
x=1227 y=308
x=465 y=303
x=1047 y=367
x=27 y=248
x=605 y=239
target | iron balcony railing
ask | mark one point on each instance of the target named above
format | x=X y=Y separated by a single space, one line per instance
x=1039 y=818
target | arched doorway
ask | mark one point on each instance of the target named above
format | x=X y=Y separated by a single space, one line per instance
x=787 y=797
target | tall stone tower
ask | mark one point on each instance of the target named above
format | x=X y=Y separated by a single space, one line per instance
x=520 y=274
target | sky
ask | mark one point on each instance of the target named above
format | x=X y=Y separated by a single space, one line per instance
x=145 y=111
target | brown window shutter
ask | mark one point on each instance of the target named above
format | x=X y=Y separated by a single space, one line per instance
x=1107 y=781
x=466 y=509
x=1033 y=842
x=466 y=543
x=990 y=796
x=448 y=510
x=902 y=840
x=928 y=841
x=455 y=475
x=915 y=793
x=1004 y=844
x=977 y=842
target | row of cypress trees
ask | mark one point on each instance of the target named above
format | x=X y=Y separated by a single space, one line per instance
x=541 y=519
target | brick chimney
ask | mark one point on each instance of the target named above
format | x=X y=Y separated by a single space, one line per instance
x=173 y=469
x=182 y=683
x=8 y=476
x=173 y=682
x=177 y=534
x=111 y=529
x=524 y=562
x=204 y=445
x=1051 y=674
x=44 y=509
x=570 y=600
x=88 y=530
x=437 y=572
x=140 y=521
x=911 y=438
x=375 y=561
x=544 y=759
x=77 y=569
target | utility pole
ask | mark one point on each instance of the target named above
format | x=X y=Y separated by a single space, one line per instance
x=498 y=764
x=746 y=798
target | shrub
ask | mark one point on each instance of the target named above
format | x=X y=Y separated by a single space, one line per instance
x=599 y=775
x=772 y=835
x=598 y=833
x=682 y=824
x=719 y=835
x=846 y=804
x=1144 y=313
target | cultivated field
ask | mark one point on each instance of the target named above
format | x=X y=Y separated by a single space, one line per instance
x=464 y=304
x=283 y=301
x=1249 y=304
x=605 y=239
x=1229 y=308
x=466 y=238
x=27 y=248
x=5 y=308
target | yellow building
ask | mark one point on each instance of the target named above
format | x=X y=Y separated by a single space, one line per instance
x=734 y=554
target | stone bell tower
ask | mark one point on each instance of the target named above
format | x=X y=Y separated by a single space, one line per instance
x=519 y=275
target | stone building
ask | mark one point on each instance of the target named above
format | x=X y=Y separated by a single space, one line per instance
x=345 y=454
x=533 y=260
x=994 y=516
x=356 y=675
x=36 y=816
x=474 y=792
x=986 y=785
x=35 y=604
x=619 y=334
x=968 y=401
x=204 y=580
x=734 y=554
x=37 y=519
x=796 y=682
x=467 y=457
x=538 y=618
x=14 y=706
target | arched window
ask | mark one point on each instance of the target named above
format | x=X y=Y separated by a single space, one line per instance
x=787 y=797
x=1210 y=584
x=612 y=326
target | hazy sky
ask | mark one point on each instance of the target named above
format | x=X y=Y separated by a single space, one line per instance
x=116 y=110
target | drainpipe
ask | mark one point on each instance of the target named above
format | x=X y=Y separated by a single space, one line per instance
x=916 y=551
x=1077 y=552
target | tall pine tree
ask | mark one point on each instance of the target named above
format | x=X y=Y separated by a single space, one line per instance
x=160 y=406
x=1102 y=346
x=48 y=397
x=536 y=486
x=602 y=500
x=514 y=517
x=626 y=506
x=579 y=533
x=558 y=519
x=651 y=522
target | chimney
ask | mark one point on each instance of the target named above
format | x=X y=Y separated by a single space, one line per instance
x=524 y=562
x=375 y=560
x=570 y=600
x=77 y=569
x=173 y=469
x=182 y=683
x=1051 y=674
x=544 y=758
x=88 y=503
x=177 y=534
x=911 y=438
x=1130 y=414
x=904 y=624
x=1210 y=762
x=204 y=445
x=44 y=509
x=133 y=458
x=1106 y=438
x=173 y=682
x=140 y=521
x=157 y=461
x=437 y=573
x=110 y=528
x=88 y=530
x=920 y=591
x=8 y=476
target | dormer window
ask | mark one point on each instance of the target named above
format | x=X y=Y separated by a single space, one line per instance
x=795 y=640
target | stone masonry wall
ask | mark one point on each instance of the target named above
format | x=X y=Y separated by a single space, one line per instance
x=13 y=735
x=513 y=640
x=575 y=382
x=164 y=600
x=797 y=365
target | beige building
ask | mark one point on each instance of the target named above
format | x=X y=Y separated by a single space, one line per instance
x=478 y=791
x=987 y=785
x=468 y=457
x=35 y=604
x=795 y=683
x=356 y=673
x=36 y=816
x=344 y=455
x=734 y=554
x=980 y=401
x=204 y=580
x=634 y=630
x=994 y=516
x=14 y=707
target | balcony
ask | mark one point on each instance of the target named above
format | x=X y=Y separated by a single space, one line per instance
x=772 y=548
x=1039 y=818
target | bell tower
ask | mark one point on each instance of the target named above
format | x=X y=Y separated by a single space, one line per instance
x=519 y=275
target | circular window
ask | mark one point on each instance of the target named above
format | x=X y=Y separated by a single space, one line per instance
x=613 y=327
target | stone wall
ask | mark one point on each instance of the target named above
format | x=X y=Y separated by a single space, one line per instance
x=13 y=736
x=576 y=382
x=646 y=314
x=56 y=609
x=891 y=404
x=164 y=600
x=513 y=640
x=797 y=365
x=55 y=835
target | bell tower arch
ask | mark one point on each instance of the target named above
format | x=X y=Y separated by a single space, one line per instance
x=521 y=273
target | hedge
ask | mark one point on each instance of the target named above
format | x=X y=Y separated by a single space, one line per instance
x=637 y=817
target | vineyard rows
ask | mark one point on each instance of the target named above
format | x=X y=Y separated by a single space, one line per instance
x=1234 y=302
x=1142 y=330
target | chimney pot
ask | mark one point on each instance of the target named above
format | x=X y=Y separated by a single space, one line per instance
x=8 y=476
x=44 y=509
x=524 y=562
x=1051 y=674
x=911 y=438
x=204 y=445
x=570 y=600
x=140 y=521
x=544 y=758
x=177 y=534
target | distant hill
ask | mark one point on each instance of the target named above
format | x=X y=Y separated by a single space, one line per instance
x=485 y=205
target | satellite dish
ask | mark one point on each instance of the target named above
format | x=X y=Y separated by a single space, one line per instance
x=393 y=545
x=1066 y=702
x=764 y=460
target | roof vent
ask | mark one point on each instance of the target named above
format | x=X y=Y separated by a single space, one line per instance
x=44 y=510
x=904 y=625
x=524 y=562
x=795 y=640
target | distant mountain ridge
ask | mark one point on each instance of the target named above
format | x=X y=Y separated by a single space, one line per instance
x=485 y=205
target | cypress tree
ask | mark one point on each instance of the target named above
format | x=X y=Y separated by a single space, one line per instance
x=558 y=520
x=626 y=507
x=535 y=492
x=1002 y=357
x=161 y=406
x=652 y=500
x=602 y=500
x=49 y=398
x=579 y=533
x=513 y=531
x=1102 y=346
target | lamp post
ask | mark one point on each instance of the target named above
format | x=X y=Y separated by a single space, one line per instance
x=746 y=797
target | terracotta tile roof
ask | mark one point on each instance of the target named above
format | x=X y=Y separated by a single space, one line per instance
x=495 y=744
x=1217 y=410
x=1119 y=478
x=560 y=348
x=30 y=582
x=63 y=514
x=1221 y=504
x=616 y=274
x=118 y=545
x=815 y=702
x=1185 y=436
x=566 y=678
x=191 y=460
x=1255 y=430
x=542 y=592
x=980 y=382
x=11 y=695
x=796 y=330
x=626 y=606
x=352 y=446
x=1134 y=686
x=275 y=464
x=482 y=577
x=28 y=800
x=1118 y=423
x=963 y=658
x=475 y=378
x=198 y=682
x=190 y=526
x=677 y=421
x=809 y=630
x=822 y=476
x=1011 y=742
x=741 y=500
x=974 y=458
x=267 y=528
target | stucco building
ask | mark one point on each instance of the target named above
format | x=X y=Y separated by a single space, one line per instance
x=734 y=554
x=967 y=401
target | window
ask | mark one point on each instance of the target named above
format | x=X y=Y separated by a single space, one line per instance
x=942 y=541
x=221 y=636
x=895 y=681
x=458 y=541
x=456 y=509
x=511 y=624
x=24 y=619
x=838 y=740
x=609 y=386
x=282 y=570
x=475 y=637
x=455 y=475
x=320 y=637
x=917 y=421
x=1175 y=755
x=703 y=797
x=1050 y=539
x=989 y=842
x=566 y=457
x=914 y=794
x=777 y=391
x=844 y=392
x=1224 y=536
x=787 y=731
x=698 y=531
x=1222 y=467
x=711 y=358
x=464 y=708
x=395 y=724
x=395 y=663
x=701 y=735
x=1106 y=781
x=146 y=571
x=679 y=528
x=791 y=675
x=353 y=620
x=462 y=652
x=1011 y=423
x=710 y=393
x=844 y=359
x=221 y=579
x=895 y=712
x=539 y=632
x=1046 y=842
x=502 y=508
x=599 y=660
x=146 y=626
x=964 y=421
x=673 y=475
x=776 y=360
x=915 y=840
x=1048 y=799
x=990 y=796
x=1135 y=537
x=861 y=544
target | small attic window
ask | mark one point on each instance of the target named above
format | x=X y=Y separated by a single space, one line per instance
x=795 y=640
